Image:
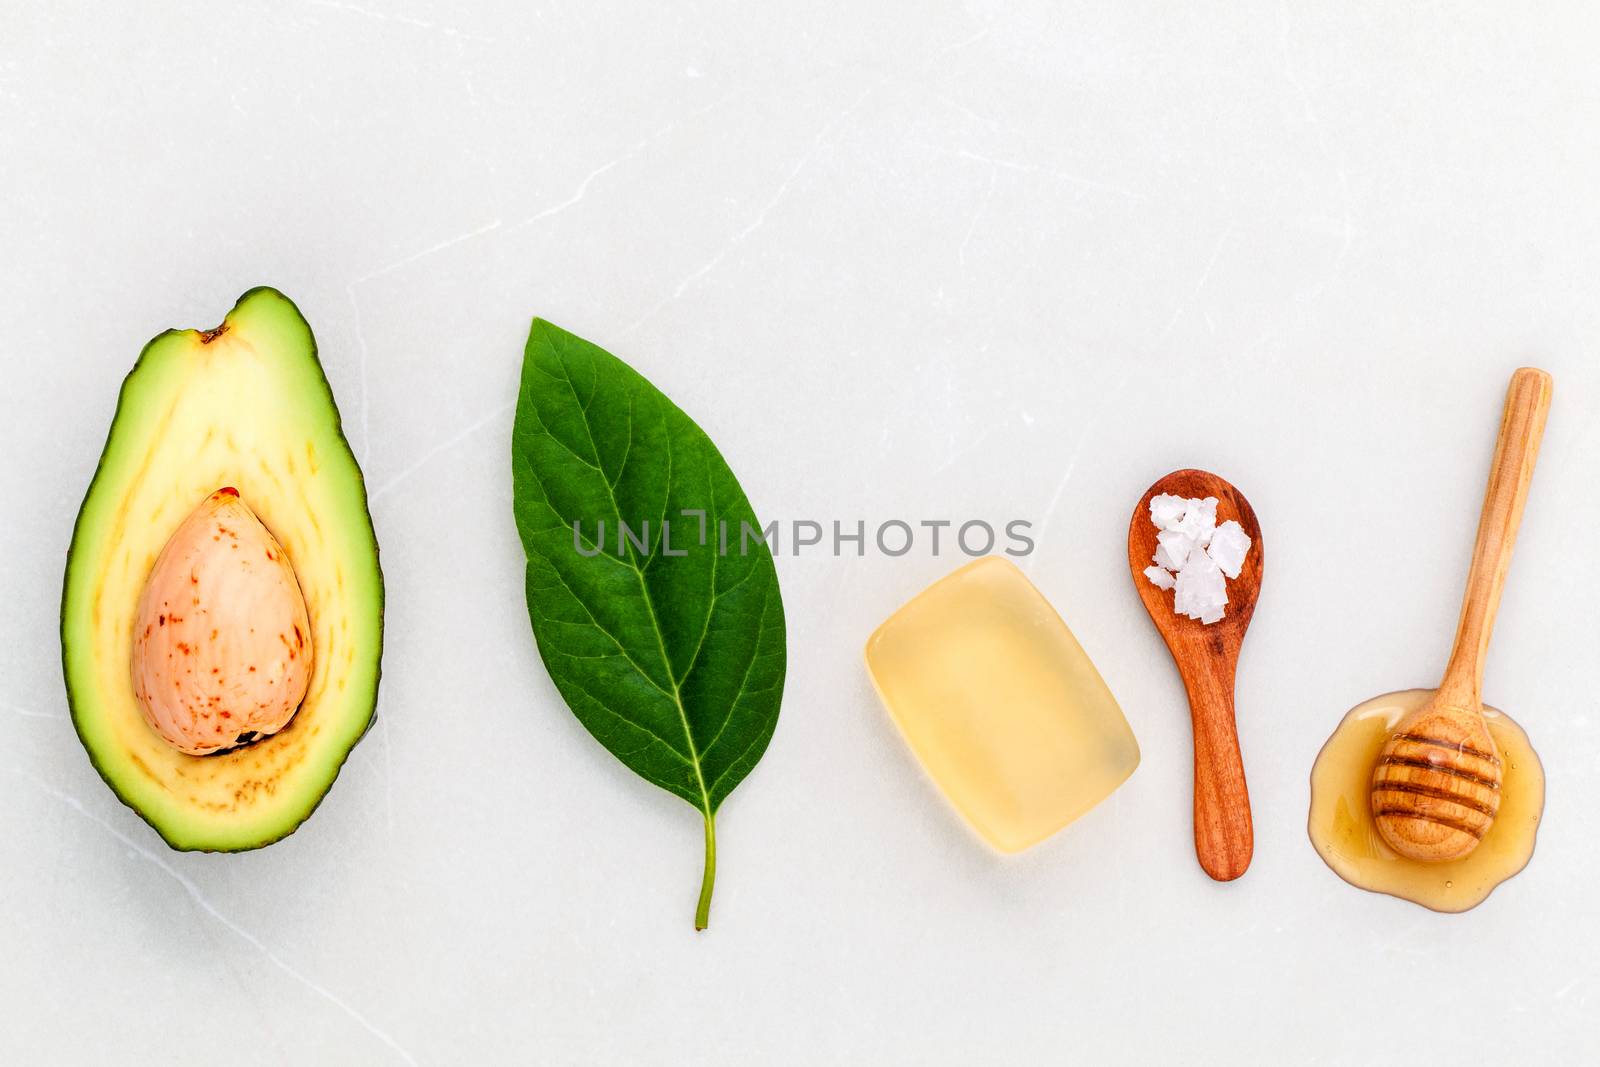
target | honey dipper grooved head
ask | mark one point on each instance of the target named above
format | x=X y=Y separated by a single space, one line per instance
x=1436 y=785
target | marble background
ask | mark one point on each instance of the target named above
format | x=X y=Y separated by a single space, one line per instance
x=901 y=260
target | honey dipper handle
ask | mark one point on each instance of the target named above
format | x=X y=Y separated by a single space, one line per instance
x=1224 y=836
x=1521 y=428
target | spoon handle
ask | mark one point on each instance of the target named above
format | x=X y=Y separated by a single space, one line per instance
x=1510 y=474
x=1224 y=836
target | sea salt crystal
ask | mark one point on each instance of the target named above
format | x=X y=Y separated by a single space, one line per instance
x=1201 y=591
x=1228 y=547
x=1199 y=520
x=1167 y=511
x=1159 y=577
x=1172 y=549
x=1194 y=556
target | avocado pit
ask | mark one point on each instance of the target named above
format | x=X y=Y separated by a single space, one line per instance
x=222 y=651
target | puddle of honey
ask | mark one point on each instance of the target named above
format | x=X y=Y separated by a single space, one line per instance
x=1347 y=839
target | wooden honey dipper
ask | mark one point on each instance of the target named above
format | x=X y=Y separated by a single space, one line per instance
x=1436 y=785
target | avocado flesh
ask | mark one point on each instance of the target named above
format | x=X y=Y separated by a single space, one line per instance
x=245 y=405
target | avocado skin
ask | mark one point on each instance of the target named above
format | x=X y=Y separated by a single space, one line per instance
x=174 y=840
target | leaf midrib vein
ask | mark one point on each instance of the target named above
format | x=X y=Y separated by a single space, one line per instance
x=644 y=586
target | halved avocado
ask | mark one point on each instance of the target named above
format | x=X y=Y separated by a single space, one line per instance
x=243 y=405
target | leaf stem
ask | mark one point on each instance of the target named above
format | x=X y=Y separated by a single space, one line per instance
x=702 y=913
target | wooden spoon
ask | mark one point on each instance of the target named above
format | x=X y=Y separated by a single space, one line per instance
x=1436 y=785
x=1207 y=658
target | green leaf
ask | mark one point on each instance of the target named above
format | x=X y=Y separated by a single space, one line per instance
x=665 y=636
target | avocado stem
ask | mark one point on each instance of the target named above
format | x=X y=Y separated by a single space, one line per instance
x=702 y=913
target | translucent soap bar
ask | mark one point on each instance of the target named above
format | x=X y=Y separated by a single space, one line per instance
x=1001 y=704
